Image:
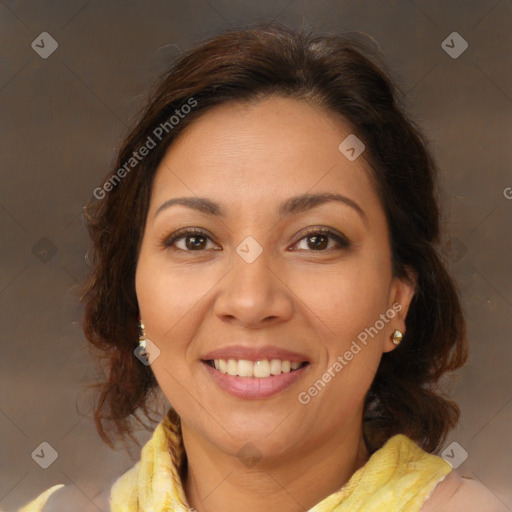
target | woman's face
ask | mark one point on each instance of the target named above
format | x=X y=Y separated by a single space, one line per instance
x=260 y=283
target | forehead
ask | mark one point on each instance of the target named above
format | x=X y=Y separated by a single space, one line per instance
x=256 y=154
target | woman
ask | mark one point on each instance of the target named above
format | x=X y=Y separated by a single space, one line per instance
x=268 y=237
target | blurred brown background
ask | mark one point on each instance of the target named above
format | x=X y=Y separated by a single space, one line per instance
x=63 y=118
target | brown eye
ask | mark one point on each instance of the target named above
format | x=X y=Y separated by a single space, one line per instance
x=194 y=240
x=318 y=240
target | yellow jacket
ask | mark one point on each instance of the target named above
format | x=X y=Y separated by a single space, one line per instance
x=398 y=476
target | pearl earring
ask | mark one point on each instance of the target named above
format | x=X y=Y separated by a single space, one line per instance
x=142 y=336
x=397 y=337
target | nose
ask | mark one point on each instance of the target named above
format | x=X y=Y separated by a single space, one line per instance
x=253 y=295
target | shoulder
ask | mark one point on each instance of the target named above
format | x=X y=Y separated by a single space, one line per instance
x=457 y=493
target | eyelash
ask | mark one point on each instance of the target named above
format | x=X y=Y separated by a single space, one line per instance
x=183 y=233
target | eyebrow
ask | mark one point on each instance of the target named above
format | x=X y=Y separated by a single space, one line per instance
x=291 y=206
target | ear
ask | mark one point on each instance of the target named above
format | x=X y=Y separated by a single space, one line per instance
x=401 y=293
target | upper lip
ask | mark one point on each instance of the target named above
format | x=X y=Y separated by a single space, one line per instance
x=255 y=354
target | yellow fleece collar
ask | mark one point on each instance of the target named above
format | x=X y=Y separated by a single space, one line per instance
x=399 y=476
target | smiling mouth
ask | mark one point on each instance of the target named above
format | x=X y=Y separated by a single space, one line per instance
x=261 y=369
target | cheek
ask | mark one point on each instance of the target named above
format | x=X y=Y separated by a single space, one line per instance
x=347 y=299
x=158 y=293
x=356 y=310
x=164 y=301
x=170 y=298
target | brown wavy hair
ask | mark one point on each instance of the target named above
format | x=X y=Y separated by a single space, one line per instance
x=343 y=75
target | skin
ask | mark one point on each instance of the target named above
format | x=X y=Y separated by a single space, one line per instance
x=457 y=493
x=250 y=158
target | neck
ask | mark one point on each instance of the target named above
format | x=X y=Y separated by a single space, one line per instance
x=295 y=481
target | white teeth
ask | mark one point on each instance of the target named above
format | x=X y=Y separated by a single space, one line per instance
x=232 y=367
x=275 y=366
x=259 y=369
x=245 y=368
